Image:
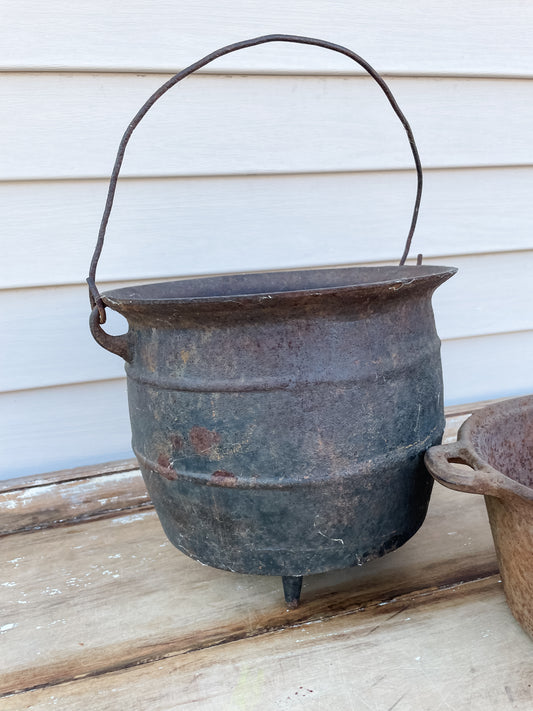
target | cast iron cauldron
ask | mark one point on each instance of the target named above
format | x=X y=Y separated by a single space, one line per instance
x=496 y=444
x=280 y=419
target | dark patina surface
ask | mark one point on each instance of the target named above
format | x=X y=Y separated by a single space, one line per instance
x=282 y=432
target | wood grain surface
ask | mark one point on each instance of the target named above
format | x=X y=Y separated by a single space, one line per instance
x=99 y=611
x=74 y=500
x=98 y=596
x=455 y=649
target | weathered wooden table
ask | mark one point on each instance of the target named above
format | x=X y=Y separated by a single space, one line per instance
x=99 y=611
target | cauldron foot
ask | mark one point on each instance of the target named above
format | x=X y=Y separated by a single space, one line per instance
x=292 y=587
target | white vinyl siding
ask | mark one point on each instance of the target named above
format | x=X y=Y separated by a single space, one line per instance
x=276 y=157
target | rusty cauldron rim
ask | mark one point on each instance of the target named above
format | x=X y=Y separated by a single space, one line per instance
x=277 y=288
x=480 y=477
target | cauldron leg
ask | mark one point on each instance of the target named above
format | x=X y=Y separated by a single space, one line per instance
x=292 y=587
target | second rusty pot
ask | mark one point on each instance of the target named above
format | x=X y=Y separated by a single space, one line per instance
x=496 y=444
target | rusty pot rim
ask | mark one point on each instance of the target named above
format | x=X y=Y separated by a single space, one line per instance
x=481 y=478
x=252 y=287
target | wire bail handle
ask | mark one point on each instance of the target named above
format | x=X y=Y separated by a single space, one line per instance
x=94 y=294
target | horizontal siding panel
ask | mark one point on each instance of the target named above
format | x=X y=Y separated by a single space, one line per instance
x=69 y=125
x=52 y=428
x=490 y=294
x=487 y=367
x=163 y=227
x=48 y=341
x=398 y=37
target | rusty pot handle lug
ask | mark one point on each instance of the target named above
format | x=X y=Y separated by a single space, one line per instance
x=94 y=294
x=119 y=345
x=477 y=479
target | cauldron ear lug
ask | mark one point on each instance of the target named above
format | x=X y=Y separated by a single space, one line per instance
x=478 y=478
x=120 y=345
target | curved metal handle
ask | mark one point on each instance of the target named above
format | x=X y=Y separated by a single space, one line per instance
x=94 y=294
x=120 y=345
x=476 y=480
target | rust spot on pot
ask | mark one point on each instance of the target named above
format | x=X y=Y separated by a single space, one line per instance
x=165 y=468
x=223 y=478
x=177 y=442
x=203 y=439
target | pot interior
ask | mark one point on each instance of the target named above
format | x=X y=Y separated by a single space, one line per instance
x=503 y=436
